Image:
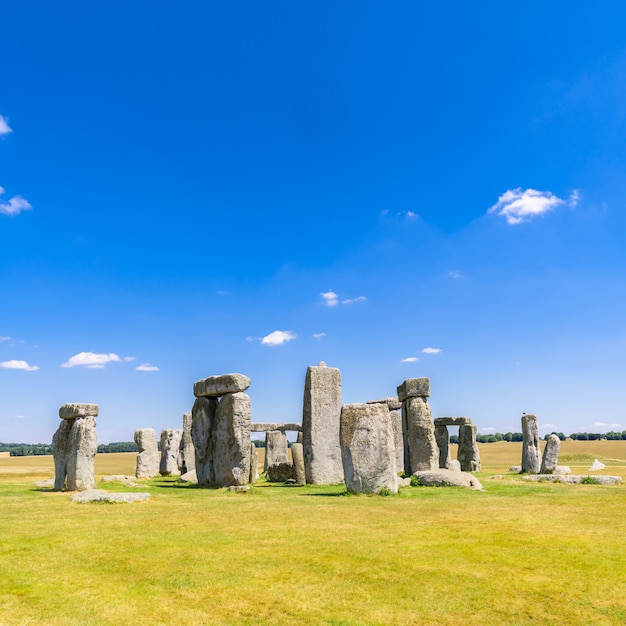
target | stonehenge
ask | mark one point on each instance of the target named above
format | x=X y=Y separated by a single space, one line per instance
x=531 y=452
x=74 y=447
x=147 y=454
x=468 y=453
x=395 y=406
x=550 y=455
x=187 y=454
x=170 y=450
x=321 y=414
x=220 y=430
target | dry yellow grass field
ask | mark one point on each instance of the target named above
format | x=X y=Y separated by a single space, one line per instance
x=515 y=554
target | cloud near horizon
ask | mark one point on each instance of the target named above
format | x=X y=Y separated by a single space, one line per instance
x=147 y=367
x=278 y=337
x=95 y=360
x=431 y=350
x=409 y=359
x=19 y=365
x=518 y=206
x=14 y=205
x=319 y=335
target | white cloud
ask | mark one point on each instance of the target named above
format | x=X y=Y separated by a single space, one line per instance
x=352 y=300
x=409 y=359
x=95 y=360
x=18 y=417
x=329 y=298
x=616 y=426
x=519 y=206
x=19 y=365
x=319 y=335
x=411 y=215
x=14 y=206
x=431 y=350
x=5 y=129
x=456 y=274
x=146 y=367
x=278 y=337
x=5 y=338
x=574 y=197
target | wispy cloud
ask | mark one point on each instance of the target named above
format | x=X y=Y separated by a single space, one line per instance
x=412 y=215
x=517 y=205
x=19 y=365
x=95 y=360
x=456 y=275
x=146 y=367
x=329 y=298
x=431 y=350
x=18 y=417
x=319 y=335
x=5 y=129
x=5 y=338
x=14 y=205
x=409 y=359
x=353 y=300
x=574 y=197
x=278 y=337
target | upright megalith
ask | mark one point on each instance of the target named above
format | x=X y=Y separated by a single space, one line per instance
x=147 y=453
x=74 y=447
x=297 y=454
x=368 y=449
x=170 y=449
x=187 y=454
x=469 y=455
x=395 y=406
x=254 y=464
x=321 y=415
x=531 y=451
x=550 y=455
x=276 y=448
x=421 y=452
x=220 y=430
x=442 y=436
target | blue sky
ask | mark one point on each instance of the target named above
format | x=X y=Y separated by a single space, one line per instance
x=404 y=190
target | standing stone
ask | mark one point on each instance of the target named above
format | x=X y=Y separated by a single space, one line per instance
x=423 y=453
x=469 y=455
x=170 y=447
x=550 y=455
x=231 y=440
x=531 y=452
x=187 y=453
x=276 y=448
x=442 y=436
x=398 y=438
x=321 y=417
x=297 y=455
x=202 y=422
x=82 y=446
x=147 y=453
x=254 y=464
x=60 y=453
x=367 y=448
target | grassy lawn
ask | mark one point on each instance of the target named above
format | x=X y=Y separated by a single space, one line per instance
x=517 y=553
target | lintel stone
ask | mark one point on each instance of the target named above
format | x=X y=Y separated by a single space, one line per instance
x=216 y=386
x=74 y=409
x=393 y=403
x=452 y=421
x=414 y=388
x=262 y=427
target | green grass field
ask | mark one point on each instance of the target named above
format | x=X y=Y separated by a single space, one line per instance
x=518 y=553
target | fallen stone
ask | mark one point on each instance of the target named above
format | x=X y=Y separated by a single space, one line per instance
x=48 y=483
x=452 y=421
x=563 y=469
x=531 y=451
x=574 y=479
x=515 y=469
x=497 y=477
x=404 y=482
x=147 y=453
x=74 y=409
x=238 y=488
x=367 y=448
x=217 y=386
x=550 y=455
x=100 y=495
x=447 y=478
x=597 y=465
x=280 y=472
x=414 y=388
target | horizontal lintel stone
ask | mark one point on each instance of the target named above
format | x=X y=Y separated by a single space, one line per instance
x=76 y=409
x=414 y=388
x=452 y=421
x=393 y=403
x=262 y=427
x=216 y=386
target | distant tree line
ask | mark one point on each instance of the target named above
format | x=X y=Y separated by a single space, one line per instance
x=613 y=435
x=38 y=449
x=118 y=446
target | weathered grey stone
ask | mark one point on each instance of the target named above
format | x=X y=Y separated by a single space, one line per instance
x=454 y=466
x=404 y=482
x=189 y=477
x=100 y=495
x=550 y=455
x=47 y=483
x=398 y=438
x=573 y=479
x=423 y=453
x=82 y=447
x=60 y=453
x=231 y=440
x=469 y=455
x=368 y=449
x=280 y=472
x=238 y=488
x=202 y=422
x=300 y=437
x=321 y=416
x=147 y=453
x=452 y=421
x=597 y=465
x=392 y=403
x=563 y=469
x=217 y=386
x=170 y=448
x=262 y=427
x=531 y=451
x=447 y=478
x=187 y=453
x=254 y=464
x=129 y=481
x=276 y=448
x=414 y=388
x=75 y=409
x=515 y=469
x=297 y=455
x=442 y=437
